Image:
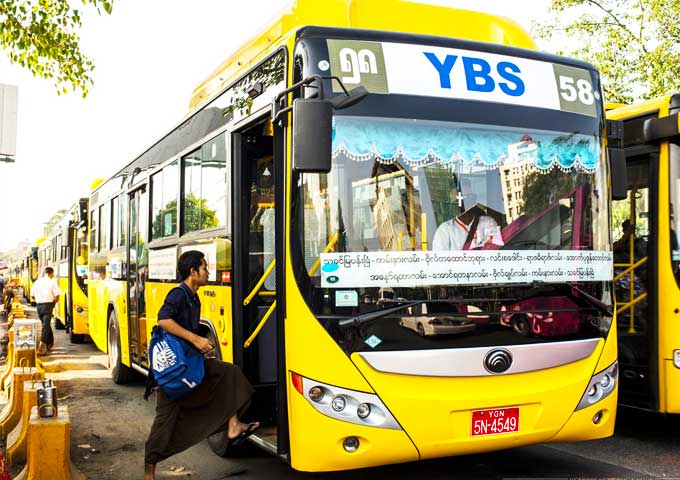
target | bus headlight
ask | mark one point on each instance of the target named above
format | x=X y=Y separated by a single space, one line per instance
x=363 y=410
x=316 y=393
x=346 y=405
x=339 y=403
x=676 y=358
x=601 y=385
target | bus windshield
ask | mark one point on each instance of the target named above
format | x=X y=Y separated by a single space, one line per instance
x=458 y=216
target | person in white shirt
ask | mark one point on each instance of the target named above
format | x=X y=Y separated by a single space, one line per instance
x=46 y=293
x=452 y=234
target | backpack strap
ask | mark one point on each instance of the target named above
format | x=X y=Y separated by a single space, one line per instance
x=471 y=233
x=151 y=385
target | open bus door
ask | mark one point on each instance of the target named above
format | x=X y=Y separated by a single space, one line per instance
x=635 y=257
x=137 y=273
x=257 y=339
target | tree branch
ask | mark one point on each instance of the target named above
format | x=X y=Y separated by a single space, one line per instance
x=618 y=22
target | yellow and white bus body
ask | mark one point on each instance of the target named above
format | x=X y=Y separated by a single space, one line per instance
x=30 y=272
x=68 y=257
x=307 y=289
x=647 y=265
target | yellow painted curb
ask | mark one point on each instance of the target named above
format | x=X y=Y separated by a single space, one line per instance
x=17 y=438
x=51 y=435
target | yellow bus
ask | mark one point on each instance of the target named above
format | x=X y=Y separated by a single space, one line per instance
x=66 y=252
x=647 y=256
x=402 y=230
x=30 y=271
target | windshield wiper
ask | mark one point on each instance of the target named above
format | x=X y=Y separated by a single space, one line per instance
x=599 y=304
x=359 y=320
x=362 y=318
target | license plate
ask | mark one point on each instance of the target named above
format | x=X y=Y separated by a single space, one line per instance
x=495 y=421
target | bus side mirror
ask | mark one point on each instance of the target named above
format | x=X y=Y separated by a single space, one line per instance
x=619 y=173
x=312 y=135
x=83 y=204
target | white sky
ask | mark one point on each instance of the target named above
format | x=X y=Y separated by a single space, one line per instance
x=149 y=55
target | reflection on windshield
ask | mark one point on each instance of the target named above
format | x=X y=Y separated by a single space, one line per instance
x=419 y=185
x=402 y=194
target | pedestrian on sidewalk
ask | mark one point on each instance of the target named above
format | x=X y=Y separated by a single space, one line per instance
x=2 y=290
x=46 y=293
x=223 y=396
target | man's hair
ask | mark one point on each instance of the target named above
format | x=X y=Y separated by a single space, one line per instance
x=49 y=270
x=187 y=261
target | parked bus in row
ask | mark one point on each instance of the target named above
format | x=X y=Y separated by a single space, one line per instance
x=30 y=271
x=65 y=250
x=353 y=167
x=647 y=256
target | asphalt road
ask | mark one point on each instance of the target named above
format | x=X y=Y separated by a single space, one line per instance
x=109 y=424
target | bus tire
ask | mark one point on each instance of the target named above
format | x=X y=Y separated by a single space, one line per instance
x=520 y=324
x=120 y=373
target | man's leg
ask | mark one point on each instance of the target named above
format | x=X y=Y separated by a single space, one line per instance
x=149 y=471
x=46 y=336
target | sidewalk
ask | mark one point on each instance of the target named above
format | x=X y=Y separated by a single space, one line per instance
x=109 y=422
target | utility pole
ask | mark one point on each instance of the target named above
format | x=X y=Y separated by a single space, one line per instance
x=8 y=123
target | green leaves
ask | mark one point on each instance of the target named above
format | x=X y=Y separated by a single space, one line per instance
x=634 y=43
x=42 y=36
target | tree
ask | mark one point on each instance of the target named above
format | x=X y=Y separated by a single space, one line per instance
x=42 y=36
x=543 y=189
x=197 y=216
x=634 y=43
x=49 y=224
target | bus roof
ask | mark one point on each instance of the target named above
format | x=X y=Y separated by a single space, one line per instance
x=655 y=104
x=389 y=15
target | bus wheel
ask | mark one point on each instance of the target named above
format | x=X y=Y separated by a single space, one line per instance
x=520 y=325
x=119 y=373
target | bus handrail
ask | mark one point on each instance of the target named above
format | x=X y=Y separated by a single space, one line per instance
x=260 y=282
x=329 y=246
x=628 y=305
x=629 y=269
x=247 y=343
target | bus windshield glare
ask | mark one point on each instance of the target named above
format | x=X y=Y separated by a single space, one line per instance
x=433 y=211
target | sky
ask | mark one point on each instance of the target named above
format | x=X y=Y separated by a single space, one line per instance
x=149 y=56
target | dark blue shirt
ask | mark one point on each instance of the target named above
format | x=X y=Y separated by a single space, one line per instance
x=183 y=306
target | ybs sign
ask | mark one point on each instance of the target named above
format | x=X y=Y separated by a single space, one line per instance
x=480 y=75
x=463 y=74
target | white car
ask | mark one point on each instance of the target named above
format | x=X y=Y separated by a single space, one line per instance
x=437 y=324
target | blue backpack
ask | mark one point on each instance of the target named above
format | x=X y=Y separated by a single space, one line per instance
x=176 y=366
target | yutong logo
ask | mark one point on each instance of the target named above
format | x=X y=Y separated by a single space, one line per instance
x=497 y=361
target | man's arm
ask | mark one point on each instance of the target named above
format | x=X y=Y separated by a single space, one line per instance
x=202 y=344
x=56 y=291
